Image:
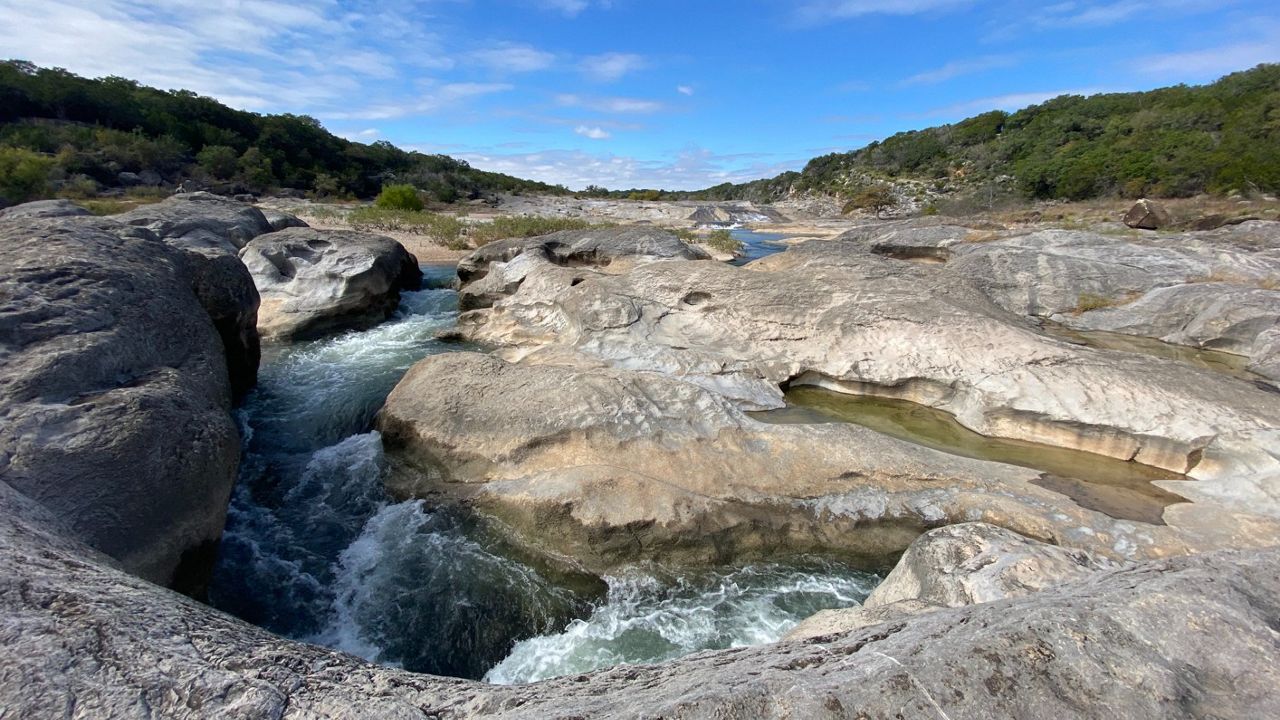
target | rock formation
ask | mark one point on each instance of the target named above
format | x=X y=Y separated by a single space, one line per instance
x=315 y=281
x=200 y=221
x=44 y=209
x=1147 y=215
x=121 y=355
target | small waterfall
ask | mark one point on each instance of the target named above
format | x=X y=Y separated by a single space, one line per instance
x=315 y=550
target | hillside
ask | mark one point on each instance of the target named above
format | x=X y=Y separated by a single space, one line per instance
x=1172 y=142
x=63 y=133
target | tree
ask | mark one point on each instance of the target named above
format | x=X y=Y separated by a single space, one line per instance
x=399 y=197
x=255 y=169
x=24 y=175
x=876 y=198
x=219 y=161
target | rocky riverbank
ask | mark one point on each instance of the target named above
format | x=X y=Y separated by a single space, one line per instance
x=614 y=419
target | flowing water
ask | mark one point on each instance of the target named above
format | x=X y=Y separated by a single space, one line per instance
x=315 y=550
x=756 y=245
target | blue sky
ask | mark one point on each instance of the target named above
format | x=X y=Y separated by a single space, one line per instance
x=641 y=93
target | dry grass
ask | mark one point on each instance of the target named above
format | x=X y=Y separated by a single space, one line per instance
x=1226 y=276
x=1091 y=301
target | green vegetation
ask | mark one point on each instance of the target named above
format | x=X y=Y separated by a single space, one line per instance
x=522 y=226
x=24 y=175
x=441 y=229
x=724 y=241
x=85 y=133
x=399 y=197
x=1173 y=142
x=875 y=198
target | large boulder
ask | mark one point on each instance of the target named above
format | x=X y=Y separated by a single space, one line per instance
x=281 y=220
x=44 y=209
x=1147 y=215
x=314 y=282
x=960 y=565
x=610 y=466
x=200 y=221
x=115 y=386
x=1172 y=638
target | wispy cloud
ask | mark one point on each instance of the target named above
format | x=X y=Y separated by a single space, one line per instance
x=1095 y=14
x=958 y=68
x=594 y=133
x=615 y=105
x=817 y=11
x=611 y=67
x=513 y=58
x=689 y=169
x=1210 y=63
x=1012 y=101
x=572 y=8
x=686 y=90
x=433 y=99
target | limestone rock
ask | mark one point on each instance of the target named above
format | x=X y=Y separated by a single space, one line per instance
x=44 y=209
x=81 y=634
x=281 y=220
x=200 y=221
x=1147 y=215
x=115 y=388
x=314 y=282
x=975 y=562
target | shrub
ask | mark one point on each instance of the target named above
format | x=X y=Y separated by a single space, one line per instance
x=219 y=161
x=399 y=197
x=724 y=241
x=876 y=198
x=442 y=229
x=24 y=175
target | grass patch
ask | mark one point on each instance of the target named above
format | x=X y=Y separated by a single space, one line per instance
x=441 y=229
x=522 y=226
x=1093 y=301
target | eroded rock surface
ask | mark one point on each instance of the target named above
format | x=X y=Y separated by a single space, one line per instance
x=115 y=384
x=314 y=282
x=960 y=565
x=201 y=221
x=44 y=209
x=961 y=335
x=80 y=634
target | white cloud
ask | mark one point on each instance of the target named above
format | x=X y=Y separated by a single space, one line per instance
x=685 y=90
x=1109 y=13
x=432 y=100
x=1012 y=101
x=594 y=133
x=689 y=169
x=616 y=105
x=1212 y=63
x=513 y=58
x=958 y=68
x=572 y=8
x=264 y=55
x=611 y=67
x=817 y=11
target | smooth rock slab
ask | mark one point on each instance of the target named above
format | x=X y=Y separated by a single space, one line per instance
x=44 y=209
x=315 y=282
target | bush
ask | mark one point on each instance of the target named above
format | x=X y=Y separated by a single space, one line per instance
x=219 y=161
x=876 y=198
x=724 y=241
x=442 y=229
x=399 y=197
x=24 y=175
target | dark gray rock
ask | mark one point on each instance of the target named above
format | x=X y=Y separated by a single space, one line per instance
x=115 y=388
x=199 y=221
x=44 y=209
x=1191 y=637
x=281 y=220
x=318 y=281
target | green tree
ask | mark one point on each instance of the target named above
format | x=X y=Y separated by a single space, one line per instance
x=255 y=169
x=219 y=161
